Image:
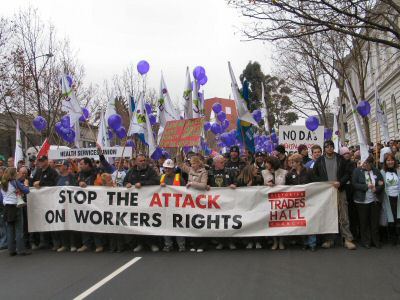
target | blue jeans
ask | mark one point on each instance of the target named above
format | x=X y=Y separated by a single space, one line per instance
x=15 y=234
x=310 y=240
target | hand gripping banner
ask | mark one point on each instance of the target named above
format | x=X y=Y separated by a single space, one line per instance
x=178 y=211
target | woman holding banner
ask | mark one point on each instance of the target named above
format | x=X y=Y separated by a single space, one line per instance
x=296 y=176
x=11 y=190
x=197 y=178
x=274 y=175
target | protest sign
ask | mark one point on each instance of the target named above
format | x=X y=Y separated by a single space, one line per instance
x=178 y=211
x=182 y=133
x=294 y=135
x=90 y=152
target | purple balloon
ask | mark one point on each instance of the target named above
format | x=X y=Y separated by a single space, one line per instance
x=110 y=134
x=82 y=119
x=85 y=113
x=148 y=108
x=274 y=137
x=199 y=72
x=165 y=154
x=221 y=116
x=312 y=123
x=69 y=136
x=143 y=67
x=156 y=155
x=203 y=80
x=363 y=108
x=257 y=115
x=39 y=123
x=225 y=124
x=186 y=149
x=217 y=107
x=216 y=128
x=153 y=119
x=58 y=127
x=328 y=133
x=121 y=132
x=207 y=126
x=130 y=143
x=66 y=121
x=114 y=121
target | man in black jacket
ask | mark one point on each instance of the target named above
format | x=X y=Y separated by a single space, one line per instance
x=334 y=168
x=141 y=175
x=44 y=176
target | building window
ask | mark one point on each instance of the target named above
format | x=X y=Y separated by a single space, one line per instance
x=344 y=109
x=228 y=110
x=346 y=127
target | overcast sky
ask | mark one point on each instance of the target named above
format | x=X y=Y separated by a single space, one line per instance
x=172 y=34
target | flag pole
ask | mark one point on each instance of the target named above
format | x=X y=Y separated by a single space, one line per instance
x=376 y=144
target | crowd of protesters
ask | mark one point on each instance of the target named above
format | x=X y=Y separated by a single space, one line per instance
x=368 y=195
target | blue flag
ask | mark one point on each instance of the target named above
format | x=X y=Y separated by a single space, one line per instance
x=244 y=129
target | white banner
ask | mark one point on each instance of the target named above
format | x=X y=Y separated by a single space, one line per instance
x=90 y=152
x=292 y=136
x=177 y=211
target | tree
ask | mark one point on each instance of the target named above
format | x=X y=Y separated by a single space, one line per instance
x=282 y=19
x=276 y=95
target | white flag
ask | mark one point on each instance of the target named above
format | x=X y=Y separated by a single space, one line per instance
x=110 y=108
x=166 y=111
x=138 y=121
x=187 y=97
x=335 y=133
x=77 y=128
x=148 y=136
x=70 y=104
x=196 y=103
x=243 y=112
x=102 y=135
x=264 y=109
x=360 y=134
x=18 y=154
x=381 y=117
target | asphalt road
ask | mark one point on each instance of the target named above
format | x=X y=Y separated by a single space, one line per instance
x=253 y=274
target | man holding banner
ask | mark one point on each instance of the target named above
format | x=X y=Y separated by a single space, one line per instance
x=334 y=168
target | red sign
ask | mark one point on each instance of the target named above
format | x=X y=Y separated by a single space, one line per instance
x=286 y=209
x=182 y=133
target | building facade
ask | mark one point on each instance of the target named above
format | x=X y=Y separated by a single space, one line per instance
x=384 y=66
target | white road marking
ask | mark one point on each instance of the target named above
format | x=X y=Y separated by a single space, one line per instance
x=106 y=279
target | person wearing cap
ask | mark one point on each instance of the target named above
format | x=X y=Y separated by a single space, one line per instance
x=171 y=177
x=368 y=186
x=281 y=154
x=64 y=240
x=44 y=176
x=303 y=151
x=234 y=164
x=259 y=163
x=334 y=168
x=141 y=174
x=219 y=176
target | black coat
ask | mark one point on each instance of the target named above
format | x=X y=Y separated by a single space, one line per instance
x=46 y=177
x=319 y=173
x=88 y=177
x=220 y=178
x=146 y=176
x=360 y=186
x=292 y=178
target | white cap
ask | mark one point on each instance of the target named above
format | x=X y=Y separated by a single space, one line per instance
x=168 y=163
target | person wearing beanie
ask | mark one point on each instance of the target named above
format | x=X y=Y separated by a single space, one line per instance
x=334 y=168
x=235 y=164
x=303 y=150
